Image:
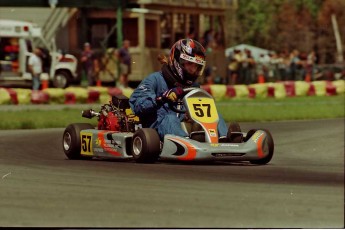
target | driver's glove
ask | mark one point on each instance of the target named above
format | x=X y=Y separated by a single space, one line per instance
x=172 y=94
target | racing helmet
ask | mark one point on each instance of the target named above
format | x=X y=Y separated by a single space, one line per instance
x=187 y=60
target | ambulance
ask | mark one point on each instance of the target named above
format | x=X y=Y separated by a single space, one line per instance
x=18 y=39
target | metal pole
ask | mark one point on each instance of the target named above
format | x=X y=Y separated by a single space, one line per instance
x=119 y=23
x=340 y=57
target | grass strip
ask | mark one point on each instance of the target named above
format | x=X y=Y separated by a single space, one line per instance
x=240 y=110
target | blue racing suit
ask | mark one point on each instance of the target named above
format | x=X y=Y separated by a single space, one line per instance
x=158 y=115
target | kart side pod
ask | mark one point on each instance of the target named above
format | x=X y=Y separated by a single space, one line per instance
x=257 y=148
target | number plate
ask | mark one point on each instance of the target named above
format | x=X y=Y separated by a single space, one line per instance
x=86 y=143
x=202 y=110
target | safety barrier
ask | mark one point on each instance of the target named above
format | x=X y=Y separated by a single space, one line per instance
x=73 y=95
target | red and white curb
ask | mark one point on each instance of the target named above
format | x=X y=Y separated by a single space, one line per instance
x=73 y=95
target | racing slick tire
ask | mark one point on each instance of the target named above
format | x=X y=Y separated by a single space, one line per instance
x=71 y=140
x=146 y=145
x=234 y=133
x=270 y=145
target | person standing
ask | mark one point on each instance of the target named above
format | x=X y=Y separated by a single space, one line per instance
x=87 y=63
x=125 y=63
x=35 y=68
x=310 y=65
x=248 y=67
x=233 y=68
x=295 y=64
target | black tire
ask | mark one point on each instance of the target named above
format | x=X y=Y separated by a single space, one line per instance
x=234 y=138
x=61 y=79
x=146 y=145
x=270 y=145
x=71 y=140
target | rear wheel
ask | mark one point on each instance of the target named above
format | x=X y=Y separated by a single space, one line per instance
x=71 y=140
x=268 y=147
x=146 y=145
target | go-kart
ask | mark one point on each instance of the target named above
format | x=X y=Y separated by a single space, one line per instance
x=119 y=135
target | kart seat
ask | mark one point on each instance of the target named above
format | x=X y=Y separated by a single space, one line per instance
x=197 y=136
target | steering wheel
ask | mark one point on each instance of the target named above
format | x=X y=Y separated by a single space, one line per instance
x=173 y=105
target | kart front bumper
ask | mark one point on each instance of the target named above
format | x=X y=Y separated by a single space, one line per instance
x=184 y=149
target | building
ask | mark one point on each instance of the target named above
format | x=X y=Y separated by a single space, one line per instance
x=152 y=26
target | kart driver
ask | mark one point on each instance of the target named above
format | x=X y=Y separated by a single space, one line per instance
x=181 y=69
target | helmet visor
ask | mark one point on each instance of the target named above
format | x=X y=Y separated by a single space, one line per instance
x=193 y=66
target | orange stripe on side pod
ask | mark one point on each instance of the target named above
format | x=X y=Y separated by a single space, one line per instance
x=212 y=129
x=259 y=146
x=191 y=151
x=105 y=146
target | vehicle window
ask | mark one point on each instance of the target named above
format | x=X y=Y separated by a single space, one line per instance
x=9 y=48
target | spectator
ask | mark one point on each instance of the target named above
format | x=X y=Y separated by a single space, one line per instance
x=272 y=67
x=125 y=63
x=208 y=39
x=88 y=63
x=35 y=68
x=218 y=40
x=248 y=65
x=295 y=64
x=311 y=61
x=262 y=68
x=233 y=68
x=282 y=65
x=302 y=67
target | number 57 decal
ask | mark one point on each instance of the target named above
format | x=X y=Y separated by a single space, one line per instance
x=199 y=109
x=86 y=143
x=202 y=110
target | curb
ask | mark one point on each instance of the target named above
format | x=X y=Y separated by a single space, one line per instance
x=91 y=95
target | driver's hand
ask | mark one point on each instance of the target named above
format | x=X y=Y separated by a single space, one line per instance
x=173 y=94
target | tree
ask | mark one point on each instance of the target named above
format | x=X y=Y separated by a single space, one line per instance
x=326 y=40
x=288 y=24
x=255 y=19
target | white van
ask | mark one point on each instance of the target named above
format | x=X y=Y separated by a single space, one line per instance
x=16 y=46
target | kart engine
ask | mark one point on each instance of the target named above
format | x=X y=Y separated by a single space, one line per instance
x=113 y=116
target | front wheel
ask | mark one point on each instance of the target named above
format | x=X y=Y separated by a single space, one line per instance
x=267 y=146
x=71 y=143
x=61 y=79
x=146 y=145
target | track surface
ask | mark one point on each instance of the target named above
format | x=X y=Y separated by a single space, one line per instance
x=302 y=187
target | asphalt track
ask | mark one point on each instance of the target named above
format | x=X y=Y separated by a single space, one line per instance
x=302 y=187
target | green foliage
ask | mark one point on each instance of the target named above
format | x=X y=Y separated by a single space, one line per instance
x=288 y=24
x=255 y=18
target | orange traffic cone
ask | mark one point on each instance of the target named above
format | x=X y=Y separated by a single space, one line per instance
x=99 y=83
x=308 y=77
x=44 y=81
x=261 y=79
